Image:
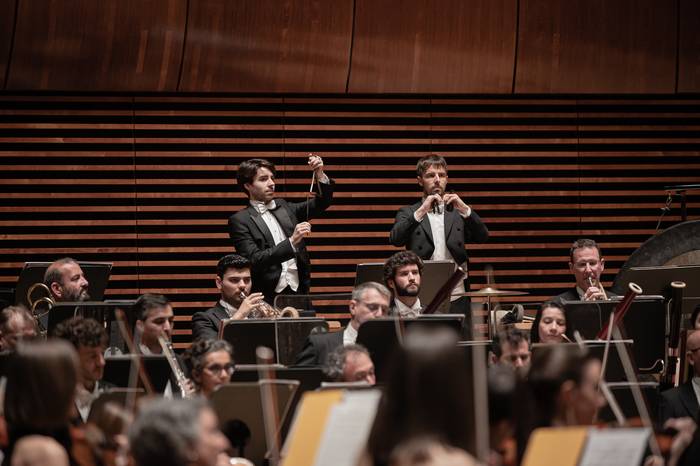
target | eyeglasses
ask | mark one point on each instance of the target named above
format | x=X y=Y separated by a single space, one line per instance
x=218 y=368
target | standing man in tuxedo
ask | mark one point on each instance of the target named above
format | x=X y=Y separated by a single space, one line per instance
x=438 y=226
x=270 y=231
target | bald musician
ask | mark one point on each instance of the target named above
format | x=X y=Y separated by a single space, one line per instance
x=66 y=281
x=683 y=401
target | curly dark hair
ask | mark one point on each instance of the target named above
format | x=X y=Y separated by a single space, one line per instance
x=231 y=261
x=80 y=331
x=247 y=170
x=196 y=353
x=400 y=259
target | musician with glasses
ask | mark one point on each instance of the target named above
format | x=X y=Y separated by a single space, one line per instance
x=270 y=231
x=369 y=301
x=587 y=265
x=211 y=363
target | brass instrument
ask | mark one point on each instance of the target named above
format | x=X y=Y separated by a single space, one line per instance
x=182 y=381
x=265 y=311
x=35 y=303
x=599 y=285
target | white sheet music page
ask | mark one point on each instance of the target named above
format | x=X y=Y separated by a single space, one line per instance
x=615 y=447
x=348 y=428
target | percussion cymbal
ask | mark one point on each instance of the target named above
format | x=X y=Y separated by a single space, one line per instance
x=488 y=291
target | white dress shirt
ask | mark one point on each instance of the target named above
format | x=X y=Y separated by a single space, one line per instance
x=230 y=310
x=349 y=335
x=84 y=400
x=405 y=311
x=290 y=272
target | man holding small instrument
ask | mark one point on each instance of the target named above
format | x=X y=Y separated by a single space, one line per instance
x=236 y=302
x=587 y=265
x=438 y=226
x=66 y=281
x=270 y=231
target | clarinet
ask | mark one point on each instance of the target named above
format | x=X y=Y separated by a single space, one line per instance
x=182 y=382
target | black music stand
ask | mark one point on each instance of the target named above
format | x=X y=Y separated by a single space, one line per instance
x=434 y=275
x=622 y=391
x=657 y=281
x=118 y=368
x=284 y=336
x=644 y=324
x=96 y=273
x=239 y=406
x=101 y=311
x=614 y=371
x=379 y=335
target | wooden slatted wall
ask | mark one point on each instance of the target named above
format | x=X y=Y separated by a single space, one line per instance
x=147 y=181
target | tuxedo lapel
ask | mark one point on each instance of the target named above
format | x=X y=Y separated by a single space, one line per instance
x=450 y=219
x=690 y=402
x=425 y=223
x=260 y=223
x=284 y=219
x=220 y=312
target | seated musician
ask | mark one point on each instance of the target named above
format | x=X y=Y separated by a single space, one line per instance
x=39 y=450
x=211 y=363
x=154 y=317
x=549 y=325
x=350 y=363
x=89 y=339
x=424 y=396
x=369 y=300
x=16 y=324
x=587 y=265
x=177 y=433
x=683 y=401
x=510 y=348
x=695 y=318
x=402 y=275
x=236 y=302
x=66 y=281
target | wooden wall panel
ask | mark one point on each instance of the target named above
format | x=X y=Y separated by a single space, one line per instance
x=449 y=46
x=689 y=47
x=114 y=45
x=148 y=181
x=596 y=46
x=7 y=22
x=268 y=46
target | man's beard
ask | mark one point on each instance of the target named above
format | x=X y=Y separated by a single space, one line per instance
x=78 y=296
x=406 y=292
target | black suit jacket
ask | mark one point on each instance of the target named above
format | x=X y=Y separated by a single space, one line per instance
x=317 y=347
x=205 y=324
x=418 y=236
x=678 y=402
x=253 y=239
x=569 y=295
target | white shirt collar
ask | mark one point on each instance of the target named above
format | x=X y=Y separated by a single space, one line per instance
x=230 y=310
x=263 y=207
x=405 y=311
x=349 y=335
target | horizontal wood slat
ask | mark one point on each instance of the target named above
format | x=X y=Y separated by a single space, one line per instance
x=148 y=181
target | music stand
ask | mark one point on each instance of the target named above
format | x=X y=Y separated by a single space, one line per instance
x=622 y=392
x=614 y=371
x=101 y=311
x=118 y=368
x=644 y=324
x=96 y=273
x=434 y=275
x=657 y=280
x=379 y=335
x=241 y=402
x=285 y=336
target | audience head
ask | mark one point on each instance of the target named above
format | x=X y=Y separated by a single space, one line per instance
x=89 y=339
x=233 y=278
x=256 y=178
x=502 y=389
x=178 y=432
x=586 y=261
x=351 y=363
x=38 y=450
x=549 y=325
x=16 y=324
x=427 y=394
x=66 y=281
x=511 y=348
x=369 y=301
x=426 y=451
x=42 y=378
x=211 y=363
x=431 y=171
x=402 y=273
x=154 y=317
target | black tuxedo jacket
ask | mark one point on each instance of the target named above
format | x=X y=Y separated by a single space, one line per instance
x=317 y=347
x=253 y=239
x=205 y=324
x=569 y=295
x=418 y=236
x=678 y=402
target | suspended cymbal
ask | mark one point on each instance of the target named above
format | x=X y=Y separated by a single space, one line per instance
x=488 y=291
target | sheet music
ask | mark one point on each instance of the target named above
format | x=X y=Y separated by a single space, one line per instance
x=615 y=447
x=348 y=428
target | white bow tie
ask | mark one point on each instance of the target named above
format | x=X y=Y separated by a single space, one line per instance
x=263 y=207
